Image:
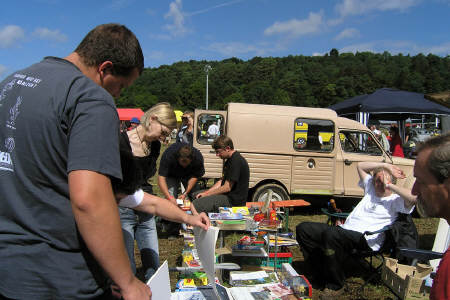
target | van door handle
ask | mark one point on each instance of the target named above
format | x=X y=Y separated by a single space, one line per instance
x=347 y=162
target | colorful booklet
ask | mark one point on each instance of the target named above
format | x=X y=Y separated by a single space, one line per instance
x=225 y=216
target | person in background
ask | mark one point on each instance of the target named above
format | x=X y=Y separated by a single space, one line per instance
x=326 y=249
x=180 y=163
x=432 y=187
x=395 y=142
x=134 y=122
x=213 y=130
x=232 y=188
x=60 y=234
x=186 y=132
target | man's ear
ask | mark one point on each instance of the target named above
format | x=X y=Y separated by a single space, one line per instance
x=105 y=68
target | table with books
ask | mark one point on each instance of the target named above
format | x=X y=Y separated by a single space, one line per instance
x=262 y=253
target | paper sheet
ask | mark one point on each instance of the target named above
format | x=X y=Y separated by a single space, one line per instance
x=159 y=283
x=205 y=242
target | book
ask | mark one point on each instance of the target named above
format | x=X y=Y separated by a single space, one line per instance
x=225 y=216
x=244 y=278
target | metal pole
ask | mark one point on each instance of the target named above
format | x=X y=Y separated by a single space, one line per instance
x=207 y=69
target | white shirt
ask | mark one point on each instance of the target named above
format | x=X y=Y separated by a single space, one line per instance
x=373 y=213
x=213 y=129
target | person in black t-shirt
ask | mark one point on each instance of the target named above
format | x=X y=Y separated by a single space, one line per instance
x=232 y=188
x=180 y=163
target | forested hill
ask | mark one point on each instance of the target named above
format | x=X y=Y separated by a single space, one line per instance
x=317 y=81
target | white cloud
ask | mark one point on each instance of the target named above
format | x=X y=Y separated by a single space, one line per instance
x=235 y=49
x=10 y=35
x=154 y=55
x=51 y=35
x=347 y=34
x=318 y=54
x=358 y=7
x=364 y=47
x=2 y=70
x=176 y=15
x=202 y=11
x=443 y=49
x=296 y=28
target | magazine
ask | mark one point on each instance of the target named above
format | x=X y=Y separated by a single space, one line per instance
x=225 y=216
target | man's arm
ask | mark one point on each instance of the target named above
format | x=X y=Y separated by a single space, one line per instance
x=97 y=217
x=154 y=205
x=365 y=167
x=162 y=183
x=190 y=185
x=218 y=189
x=410 y=199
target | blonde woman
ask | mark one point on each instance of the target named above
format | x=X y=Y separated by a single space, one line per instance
x=139 y=150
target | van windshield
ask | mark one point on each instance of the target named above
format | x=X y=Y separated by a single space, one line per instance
x=359 y=142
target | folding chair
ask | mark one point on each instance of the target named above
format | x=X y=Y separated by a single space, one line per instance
x=386 y=249
x=400 y=233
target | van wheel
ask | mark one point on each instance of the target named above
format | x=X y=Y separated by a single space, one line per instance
x=262 y=192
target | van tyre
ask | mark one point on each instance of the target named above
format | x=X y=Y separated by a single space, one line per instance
x=278 y=193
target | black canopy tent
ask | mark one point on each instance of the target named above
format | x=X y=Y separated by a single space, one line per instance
x=390 y=104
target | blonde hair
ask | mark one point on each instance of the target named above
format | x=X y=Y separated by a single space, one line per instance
x=165 y=114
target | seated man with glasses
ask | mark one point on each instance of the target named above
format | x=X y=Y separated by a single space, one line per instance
x=232 y=188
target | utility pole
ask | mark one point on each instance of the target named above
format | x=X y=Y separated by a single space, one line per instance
x=207 y=69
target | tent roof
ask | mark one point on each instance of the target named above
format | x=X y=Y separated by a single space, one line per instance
x=392 y=103
x=125 y=114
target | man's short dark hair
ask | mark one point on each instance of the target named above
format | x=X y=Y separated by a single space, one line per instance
x=115 y=43
x=222 y=142
x=185 y=152
x=439 y=159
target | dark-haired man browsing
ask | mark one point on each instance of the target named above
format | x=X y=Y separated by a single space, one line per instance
x=232 y=188
x=60 y=234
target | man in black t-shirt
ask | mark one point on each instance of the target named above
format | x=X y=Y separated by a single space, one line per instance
x=180 y=163
x=232 y=188
x=60 y=235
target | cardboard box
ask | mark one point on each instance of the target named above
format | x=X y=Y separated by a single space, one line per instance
x=407 y=282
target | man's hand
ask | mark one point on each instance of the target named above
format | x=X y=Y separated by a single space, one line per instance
x=136 y=290
x=199 y=220
x=182 y=196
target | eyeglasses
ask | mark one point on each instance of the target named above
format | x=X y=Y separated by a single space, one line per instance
x=218 y=151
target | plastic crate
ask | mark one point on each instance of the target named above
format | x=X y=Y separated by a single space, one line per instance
x=282 y=257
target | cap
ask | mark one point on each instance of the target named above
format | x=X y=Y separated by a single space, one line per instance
x=135 y=120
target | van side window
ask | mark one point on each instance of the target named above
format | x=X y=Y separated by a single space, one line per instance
x=209 y=126
x=313 y=135
x=359 y=142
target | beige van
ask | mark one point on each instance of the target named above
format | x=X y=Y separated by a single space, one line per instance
x=293 y=150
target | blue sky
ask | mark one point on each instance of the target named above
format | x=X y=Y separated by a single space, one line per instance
x=181 y=30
